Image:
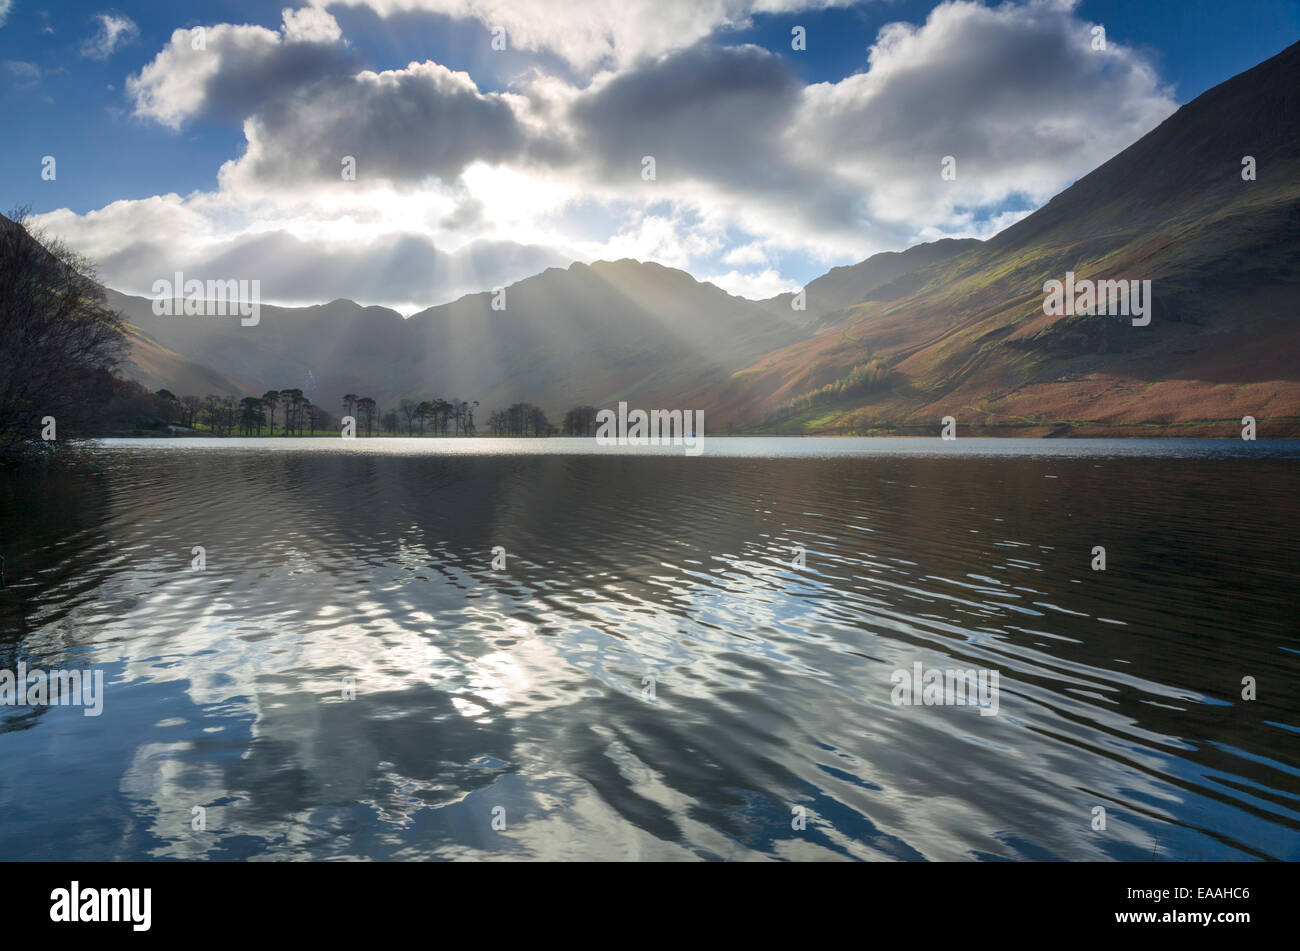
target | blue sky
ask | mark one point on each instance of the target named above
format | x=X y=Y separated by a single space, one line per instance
x=62 y=95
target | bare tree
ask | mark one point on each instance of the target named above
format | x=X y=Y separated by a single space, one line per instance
x=409 y=408
x=58 y=340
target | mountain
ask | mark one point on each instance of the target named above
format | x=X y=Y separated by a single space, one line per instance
x=157 y=367
x=971 y=339
x=583 y=334
x=876 y=278
x=336 y=346
x=586 y=334
x=590 y=334
x=891 y=344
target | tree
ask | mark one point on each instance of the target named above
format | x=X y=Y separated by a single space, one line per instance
x=319 y=418
x=212 y=412
x=366 y=407
x=409 y=408
x=580 y=421
x=59 y=342
x=294 y=401
x=521 y=419
x=169 y=407
x=537 y=420
x=271 y=399
x=251 y=415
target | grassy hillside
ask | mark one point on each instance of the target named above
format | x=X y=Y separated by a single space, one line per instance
x=972 y=341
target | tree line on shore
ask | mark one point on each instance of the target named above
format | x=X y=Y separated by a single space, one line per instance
x=291 y=413
x=525 y=419
x=61 y=347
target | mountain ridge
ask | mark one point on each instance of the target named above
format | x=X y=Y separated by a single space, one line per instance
x=889 y=344
x=973 y=340
x=670 y=328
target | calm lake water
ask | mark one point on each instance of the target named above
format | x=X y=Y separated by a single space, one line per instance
x=651 y=675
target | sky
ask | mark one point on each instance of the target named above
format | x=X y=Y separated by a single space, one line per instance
x=217 y=138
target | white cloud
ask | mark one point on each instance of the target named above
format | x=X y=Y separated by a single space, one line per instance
x=233 y=70
x=479 y=181
x=5 y=7
x=114 y=31
x=310 y=25
x=22 y=74
x=401 y=124
x=746 y=254
x=1014 y=94
x=756 y=286
x=379 y=250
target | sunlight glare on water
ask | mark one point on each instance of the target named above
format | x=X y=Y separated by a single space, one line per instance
x=653 y=674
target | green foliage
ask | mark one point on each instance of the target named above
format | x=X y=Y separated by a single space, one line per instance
x=862 y=378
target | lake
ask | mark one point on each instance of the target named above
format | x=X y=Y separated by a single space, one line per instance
x=546 y=649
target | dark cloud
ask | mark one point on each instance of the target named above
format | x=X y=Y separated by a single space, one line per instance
x=229 y=72
x=718 y=116
x=400 y=125
x=253 y=75
x=708 y=112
